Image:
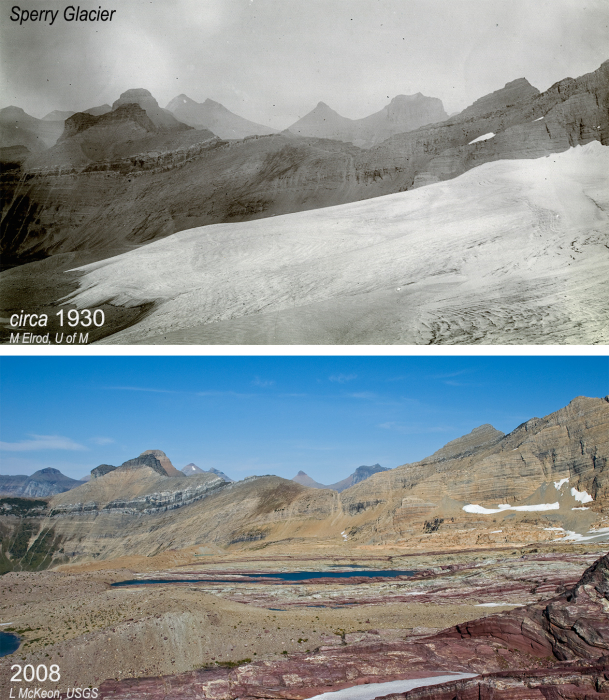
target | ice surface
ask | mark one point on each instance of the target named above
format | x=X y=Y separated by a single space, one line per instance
x=510 y=252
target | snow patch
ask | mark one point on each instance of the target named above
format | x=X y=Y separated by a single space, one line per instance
x=581 y=508
x=554 y=528
x=558 y=484
x=538 y=118
x=481 y=510
x=581 y=496
x=484 y=137
x=494 y=532
x=375 y=690
x=497 y=605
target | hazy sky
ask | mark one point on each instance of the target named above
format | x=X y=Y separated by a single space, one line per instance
x=272 y=60
x=270 y=415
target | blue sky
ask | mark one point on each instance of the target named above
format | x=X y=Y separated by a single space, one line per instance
x=270 y=415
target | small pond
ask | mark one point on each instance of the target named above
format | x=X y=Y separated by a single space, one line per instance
x=290 y=577
x=9 y=643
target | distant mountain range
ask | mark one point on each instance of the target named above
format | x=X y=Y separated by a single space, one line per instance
x=360 y=474
x=215 y=117
x=192 y=469
x=403 y=113
x=43 y=483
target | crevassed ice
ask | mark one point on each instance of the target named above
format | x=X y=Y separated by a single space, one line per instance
x=558 y=484
x=581 y=496
x=484 y=137
x=481 y=510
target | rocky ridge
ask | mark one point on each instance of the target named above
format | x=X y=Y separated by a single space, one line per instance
x=216 y=118
x=360 y=474
x=43 y=483
x=403 y=113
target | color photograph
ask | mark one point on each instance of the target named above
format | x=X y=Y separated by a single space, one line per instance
x=344 y=528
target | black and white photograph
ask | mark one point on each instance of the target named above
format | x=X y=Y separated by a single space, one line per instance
x=304 y=172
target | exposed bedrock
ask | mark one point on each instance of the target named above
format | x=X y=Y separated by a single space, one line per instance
x=532 y=642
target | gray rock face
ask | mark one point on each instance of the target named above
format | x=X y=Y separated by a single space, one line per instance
x=161 y=118
x=102 y=470
x=45 y=482
x=170 y=470
x=144 y=460
x=514 y=92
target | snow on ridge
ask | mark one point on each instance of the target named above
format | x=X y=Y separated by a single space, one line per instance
x=581 y=496
x=484 y=137
x=558 y=484
x=481 y=510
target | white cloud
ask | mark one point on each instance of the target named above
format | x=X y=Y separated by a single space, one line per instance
x=42 y=442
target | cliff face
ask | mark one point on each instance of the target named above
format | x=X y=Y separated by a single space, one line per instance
x=538 y=463
x=162 y=118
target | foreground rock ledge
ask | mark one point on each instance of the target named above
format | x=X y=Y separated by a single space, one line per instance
x=555 y=649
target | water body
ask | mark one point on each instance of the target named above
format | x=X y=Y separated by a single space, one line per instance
x=291 y=577
x=9 y=643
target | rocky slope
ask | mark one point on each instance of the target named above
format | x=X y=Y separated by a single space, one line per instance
x=403 y=113
x=558 y=646
x=545 y=481
x=17 y=128
x=43 y=483
x=216 y=118
x=360 y=474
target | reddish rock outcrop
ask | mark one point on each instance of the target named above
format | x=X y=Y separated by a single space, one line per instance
x=553 y=650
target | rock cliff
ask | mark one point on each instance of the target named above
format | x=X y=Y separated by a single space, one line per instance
x=162 y=118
